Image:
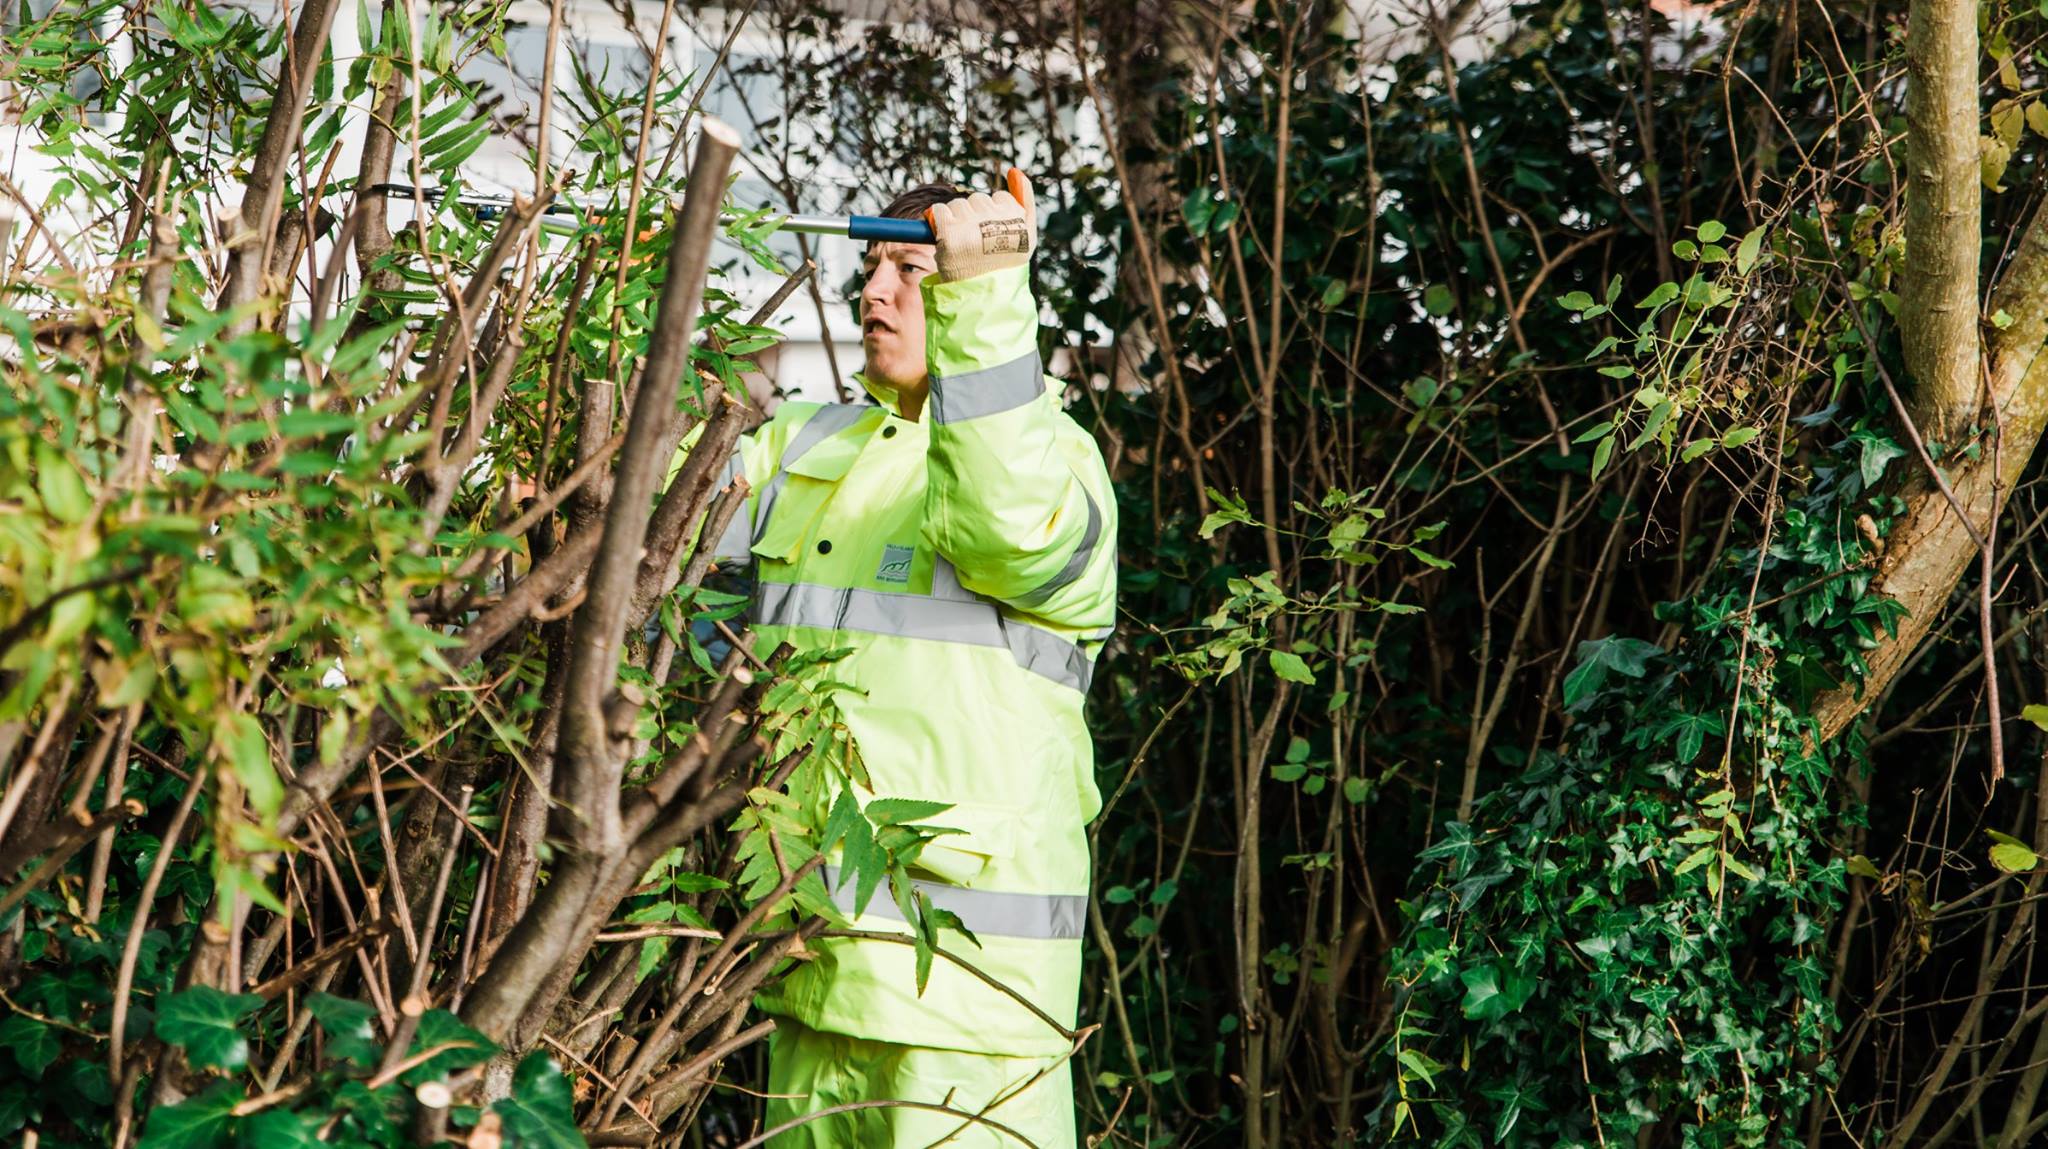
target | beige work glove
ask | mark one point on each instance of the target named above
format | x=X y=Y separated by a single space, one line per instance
x=985 y=233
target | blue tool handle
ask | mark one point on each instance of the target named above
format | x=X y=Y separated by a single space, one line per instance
x=882 y=229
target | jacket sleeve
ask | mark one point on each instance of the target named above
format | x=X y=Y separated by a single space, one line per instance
x=1017 y=497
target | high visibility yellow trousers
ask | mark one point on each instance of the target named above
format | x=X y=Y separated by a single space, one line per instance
x=811 y=1072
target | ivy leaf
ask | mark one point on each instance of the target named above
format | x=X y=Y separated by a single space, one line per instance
x=203 y=1022
x=1629 y=657
x=1876 y=452
x=1292 y=668
x=202 y=1122
x=460 y=1047
x=347 y=1025
x=35 y=1045
x=1487 y=998
x=540 y=1113
x=280 y=1129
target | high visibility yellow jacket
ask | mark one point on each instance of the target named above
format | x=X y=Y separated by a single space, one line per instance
x=968 y=561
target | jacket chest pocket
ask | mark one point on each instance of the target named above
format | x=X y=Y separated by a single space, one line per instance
x=794 y=515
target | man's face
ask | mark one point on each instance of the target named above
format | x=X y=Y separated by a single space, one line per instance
x=892 y=312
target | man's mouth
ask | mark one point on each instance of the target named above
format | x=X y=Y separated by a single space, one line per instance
x=874 y=325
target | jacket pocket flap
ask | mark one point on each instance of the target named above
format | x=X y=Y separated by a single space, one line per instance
x=793 y=515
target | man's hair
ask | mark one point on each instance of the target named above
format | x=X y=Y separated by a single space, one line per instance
x=913 y=203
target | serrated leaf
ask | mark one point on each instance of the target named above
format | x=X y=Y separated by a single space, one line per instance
x=898 y=811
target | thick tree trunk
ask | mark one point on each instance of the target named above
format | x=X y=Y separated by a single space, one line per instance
x=1944 y=219
x=1930 y=546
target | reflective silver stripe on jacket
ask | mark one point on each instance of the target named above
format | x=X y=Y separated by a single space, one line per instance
x=971 y=622
x=822 y=425
x=1076 y=563
x=1050 y=917
x=989 y=391
x=732 y=546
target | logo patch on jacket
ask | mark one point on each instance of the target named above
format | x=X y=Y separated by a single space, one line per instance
x=895 y=564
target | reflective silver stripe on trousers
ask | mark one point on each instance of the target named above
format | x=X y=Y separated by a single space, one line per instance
x=1049 y=917
x=990 y=391
x=971 y=622
x=822 y=425
x=1077 y=563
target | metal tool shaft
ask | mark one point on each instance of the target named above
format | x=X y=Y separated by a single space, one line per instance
x=566 y=215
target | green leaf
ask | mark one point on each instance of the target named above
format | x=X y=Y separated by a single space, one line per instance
x=1695 y=860
x=2012 y=855
x=464 y=1047
x=1861 y=867
x=1334 y=294
x=1292 y=668
x=1664 y=293
x=1712 y=230
x=204 y=1022
x=241 y=742
x=1489 y=996
x=1874 y=454
x=347 y=1025
x=280 y=1129
x=60 y=486
x=898 y=811
x=35 y=1045
x=1601 y=455
x=1575 y=301
x=203 y=1122
x=1438 y=300
x=1747 y=251
x=2036 y=714
x=540 y=1113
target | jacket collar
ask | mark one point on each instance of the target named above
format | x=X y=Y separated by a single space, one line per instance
x=885 y=394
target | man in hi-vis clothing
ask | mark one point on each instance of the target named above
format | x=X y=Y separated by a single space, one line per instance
x=959 y=537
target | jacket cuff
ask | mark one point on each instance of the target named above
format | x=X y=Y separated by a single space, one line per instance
x=979 y=324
